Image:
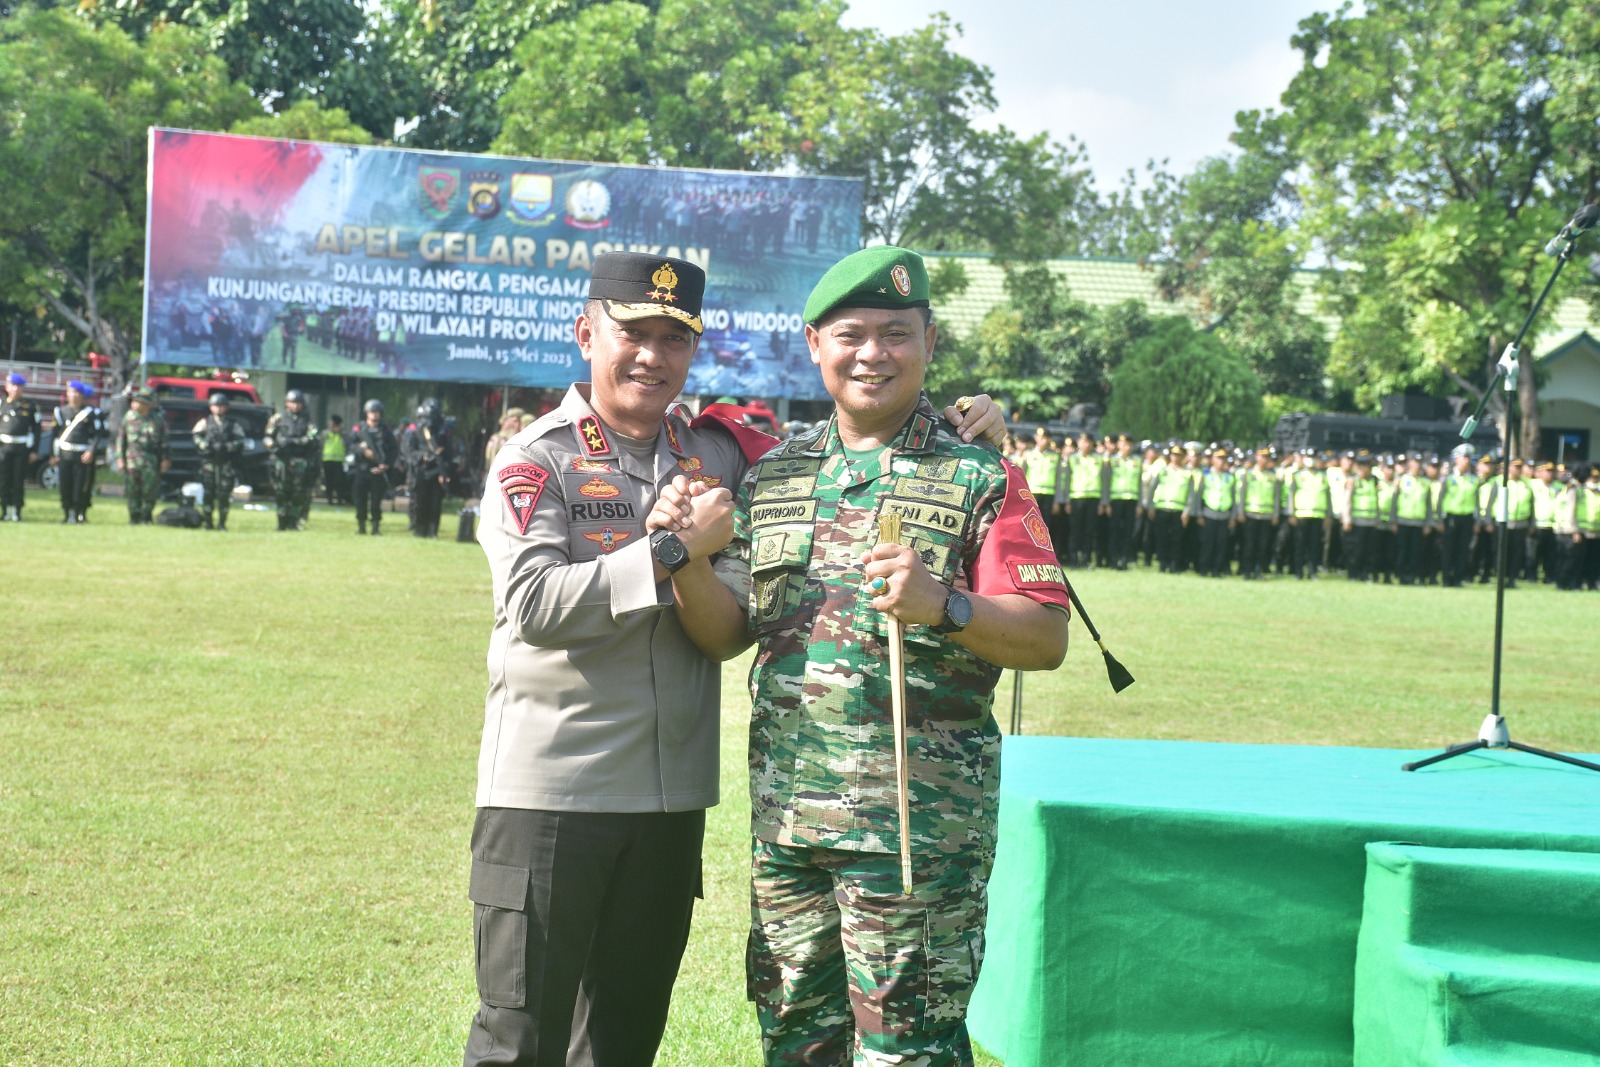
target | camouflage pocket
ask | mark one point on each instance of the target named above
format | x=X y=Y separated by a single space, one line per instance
x=778 y=559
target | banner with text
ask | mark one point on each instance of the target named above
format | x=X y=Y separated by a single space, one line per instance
x=383 y=262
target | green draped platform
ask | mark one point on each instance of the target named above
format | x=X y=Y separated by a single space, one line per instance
x=1184 y=904
x=1488 y=957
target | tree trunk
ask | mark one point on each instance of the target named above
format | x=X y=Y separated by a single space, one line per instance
x=1528 y=400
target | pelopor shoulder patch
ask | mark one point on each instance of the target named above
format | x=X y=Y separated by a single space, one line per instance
x=521 y=483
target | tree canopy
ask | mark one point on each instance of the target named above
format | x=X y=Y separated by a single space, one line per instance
x=1181 y=382
x=1440 y=144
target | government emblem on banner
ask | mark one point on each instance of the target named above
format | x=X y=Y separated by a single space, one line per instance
x=439 y=185
x=588 y=205
x=483 y=194
x=532 y=197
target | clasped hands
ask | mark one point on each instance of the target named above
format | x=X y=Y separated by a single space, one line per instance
x=702 y=518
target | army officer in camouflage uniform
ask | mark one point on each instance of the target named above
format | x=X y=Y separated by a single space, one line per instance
x=140 y=453
x=842 y=964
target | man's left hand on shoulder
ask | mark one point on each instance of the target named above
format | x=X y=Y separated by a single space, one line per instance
x=981 y=419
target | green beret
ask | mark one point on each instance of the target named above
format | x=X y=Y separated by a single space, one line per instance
x=880 y=277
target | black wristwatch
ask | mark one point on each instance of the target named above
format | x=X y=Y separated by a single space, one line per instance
x=957 y=613
x=669 y=551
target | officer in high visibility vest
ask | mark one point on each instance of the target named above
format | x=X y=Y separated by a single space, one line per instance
x=1483 y=547
x=1458 y=508
x=1382 y=536
x=1059 y=518
x=1569 y=514
x=1433 y=545
x=1310 y=513
x=1588 y=516
x=1216 y=508
x=1085 y=489
x=1411 y=519
x=1039 y=467
x=1339 y=473
x=1144 y=530
x=1261 y=500
x=1359 y=519
x=1546 y=492
x=1169 y=499
x=1125 y=470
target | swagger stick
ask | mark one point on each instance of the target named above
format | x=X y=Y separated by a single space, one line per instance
x=889 y=534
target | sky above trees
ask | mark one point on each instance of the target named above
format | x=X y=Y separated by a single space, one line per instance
x=1134 y=81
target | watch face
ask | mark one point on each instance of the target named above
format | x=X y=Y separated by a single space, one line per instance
x=670 y=550
x=958 y=608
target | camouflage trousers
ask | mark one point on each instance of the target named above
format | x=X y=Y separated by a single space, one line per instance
x=142 y=485
x=295 y=480
x=844 y=968
x=218 y=482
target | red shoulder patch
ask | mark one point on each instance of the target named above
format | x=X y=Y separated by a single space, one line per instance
x=1017 y=556
x=521 y=483
x=752 y=442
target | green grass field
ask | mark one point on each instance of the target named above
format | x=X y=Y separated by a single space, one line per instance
x=238 y=769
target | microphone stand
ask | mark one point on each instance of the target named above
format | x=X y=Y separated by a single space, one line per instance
x=1494 y=733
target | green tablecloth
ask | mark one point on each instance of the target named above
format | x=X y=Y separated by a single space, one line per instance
x=1186 y=904
x=1482 y=956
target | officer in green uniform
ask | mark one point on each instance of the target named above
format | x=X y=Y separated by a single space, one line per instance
x=1216 y=507
x=1310 y=513
x=1123 y=484
x=842 y=963
x=1412 y=521
x=140 y=453
x=1261 y=496
x=1360 y=520
x=1588 y=517
x=1083 y=485
x=1169 y=500
x=1546 y=493
x=1039 y=464
x=1382 y=554
x=1458 y=508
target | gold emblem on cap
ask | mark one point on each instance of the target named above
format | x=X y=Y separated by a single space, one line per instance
x=666 y=280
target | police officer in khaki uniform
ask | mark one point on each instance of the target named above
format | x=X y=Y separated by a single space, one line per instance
x=600 y=742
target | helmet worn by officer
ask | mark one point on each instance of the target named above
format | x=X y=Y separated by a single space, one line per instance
x=218 y=400
x=429 y=411
x=373 y=405
x=295 y=396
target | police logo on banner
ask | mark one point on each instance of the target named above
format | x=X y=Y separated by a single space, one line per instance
x=532 y=197
x=483 y=194
x=439 y=186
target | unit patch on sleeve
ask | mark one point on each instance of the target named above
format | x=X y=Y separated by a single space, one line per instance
x=522 y=483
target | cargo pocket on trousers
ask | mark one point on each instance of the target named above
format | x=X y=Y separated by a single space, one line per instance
x=500 y=932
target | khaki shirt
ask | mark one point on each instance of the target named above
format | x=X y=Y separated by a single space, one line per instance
x=598 y=701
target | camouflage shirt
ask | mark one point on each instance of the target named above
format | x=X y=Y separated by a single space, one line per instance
x=142 y=440
x=821 y=734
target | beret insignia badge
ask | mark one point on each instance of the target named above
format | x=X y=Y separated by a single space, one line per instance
x=901 y=278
